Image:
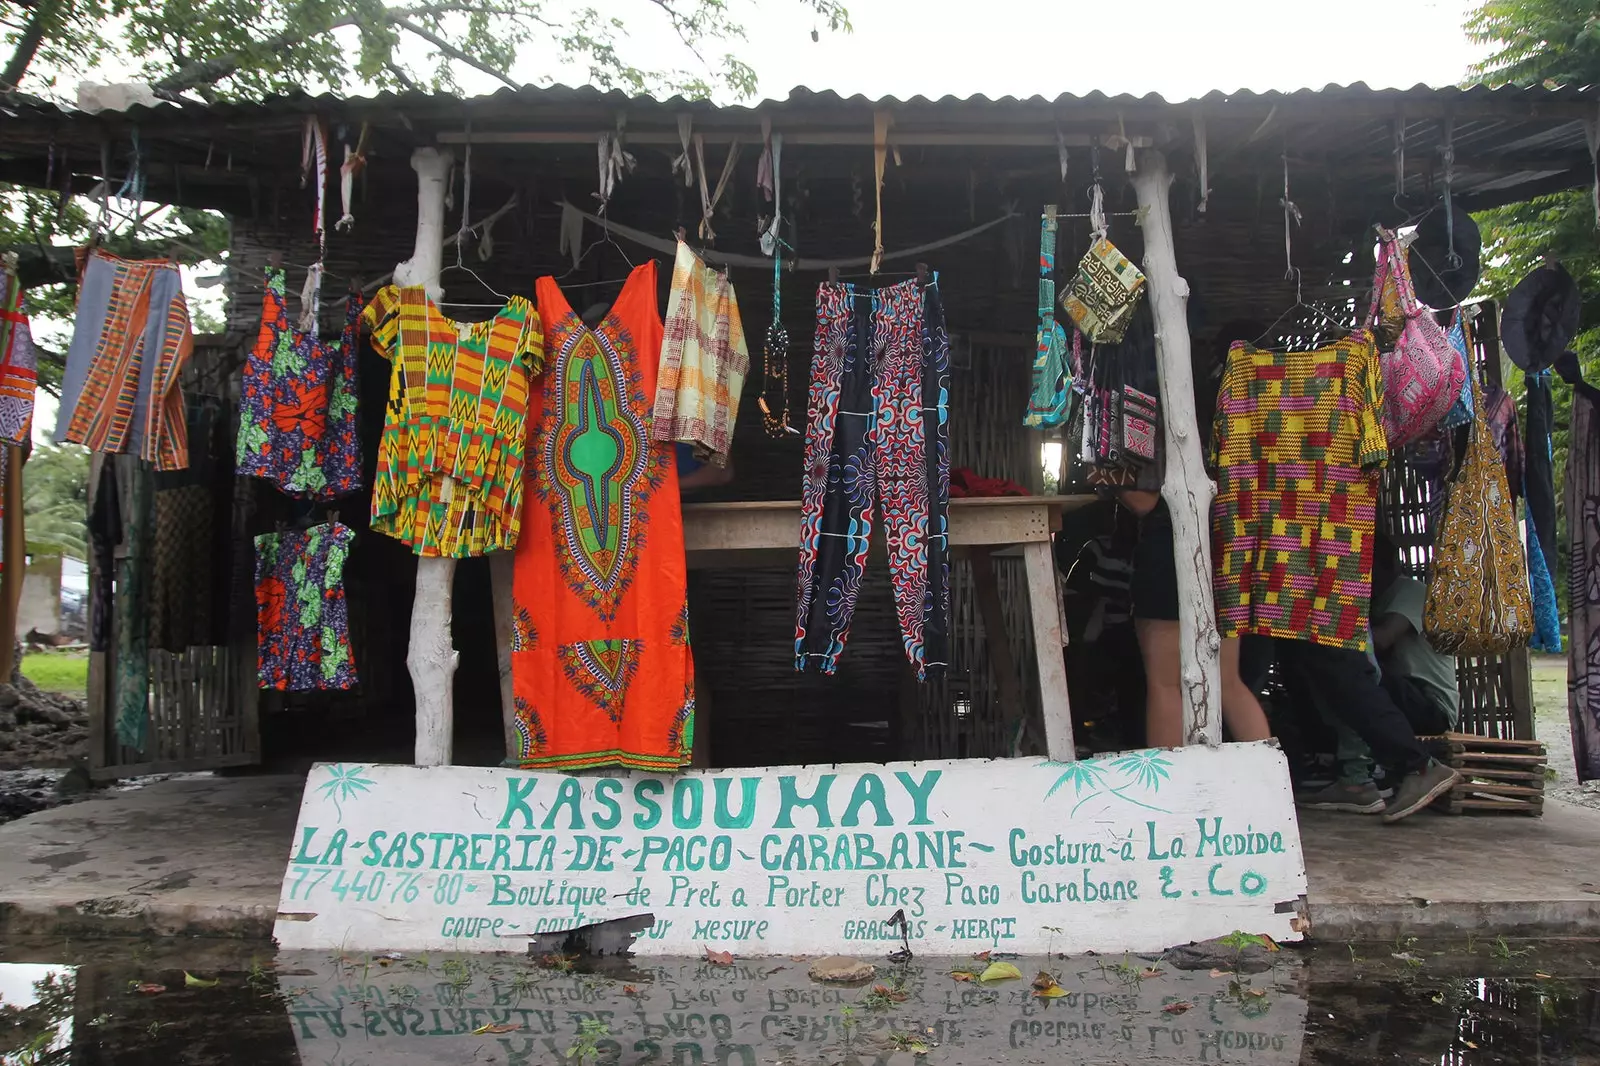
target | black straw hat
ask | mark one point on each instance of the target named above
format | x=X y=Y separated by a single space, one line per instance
x=1441 y=279
x=1541 y=317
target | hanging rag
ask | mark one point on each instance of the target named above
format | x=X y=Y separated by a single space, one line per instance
x=572 y=234
x=708 y=198
x=880 y=147
x=764 y=170
x=769 y=176
x=314 y=158
x=615 y=163
x=355 y=161
x=1047 y=402
x=1538 y=485
x=704 y=361
x=684 y=161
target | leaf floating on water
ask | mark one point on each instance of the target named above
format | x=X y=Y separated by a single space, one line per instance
x=483 y=1030
x=982 y=956
x=1470 y=1044
x=148 y=988
x=1179 y=1007
x=999 y=971
x=719 y=958
x=629 y=990
x=1049 y=991
x=1256 y=992
x=191 y=981
x=1221 y=973
x=1150 y=972
x=1437 y=997
x=894 y=995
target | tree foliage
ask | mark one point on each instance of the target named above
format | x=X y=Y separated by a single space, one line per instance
x=252 y=48
x=55 y=499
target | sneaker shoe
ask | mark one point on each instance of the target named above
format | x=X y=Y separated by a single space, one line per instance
x=1415 y=791
x=1352 y=799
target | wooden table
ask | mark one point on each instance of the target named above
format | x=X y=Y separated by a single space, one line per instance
x=767 y=533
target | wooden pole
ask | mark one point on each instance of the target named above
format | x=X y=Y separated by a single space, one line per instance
x=1187 y=488
x=431 y=658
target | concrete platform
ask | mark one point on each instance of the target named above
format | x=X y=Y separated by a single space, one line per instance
x=205 y=856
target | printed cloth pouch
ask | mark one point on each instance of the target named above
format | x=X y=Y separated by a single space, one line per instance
x=1460 y=412
x=1103 y=293
x=1479 y=599
x=1047 y=400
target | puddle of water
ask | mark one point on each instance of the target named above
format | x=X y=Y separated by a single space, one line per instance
x=1327 y=1006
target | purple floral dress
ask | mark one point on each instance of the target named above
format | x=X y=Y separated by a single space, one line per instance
x=302 y=619
x=297 y=408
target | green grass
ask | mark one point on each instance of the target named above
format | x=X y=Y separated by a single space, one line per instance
x=54 y=671
x=1549 y=684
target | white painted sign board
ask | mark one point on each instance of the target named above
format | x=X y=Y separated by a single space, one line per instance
x=1129 y=852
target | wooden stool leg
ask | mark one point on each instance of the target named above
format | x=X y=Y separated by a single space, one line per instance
x=1045 y=607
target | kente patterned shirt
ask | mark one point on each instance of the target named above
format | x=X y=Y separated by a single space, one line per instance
x=302 y=618
x=19 y=364
x=449 y=478
x=1297 y=441
x=297 y=405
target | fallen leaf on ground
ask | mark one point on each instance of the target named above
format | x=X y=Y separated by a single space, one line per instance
x=629 y=990
x=485 y=1029
x=1542 y=976
x=1221 y=973
x=888 y=993
x=149 y=989
x=999 y=971
x=1256 y=992
x=1049 y=989
x=1178 y=1008
x=962 y=975
x=719 y=958
x=191 y=981
x=982 y=956
x=1151 y=972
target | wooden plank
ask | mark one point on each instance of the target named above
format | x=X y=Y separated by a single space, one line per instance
x=1502 y=775
x=756 y=525
x=1520 y=679
x=1471 y=741
x=1487 y=788
x=1495 y=757
x=1045 y=608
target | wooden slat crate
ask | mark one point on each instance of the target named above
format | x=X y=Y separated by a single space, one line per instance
x=1505 y=776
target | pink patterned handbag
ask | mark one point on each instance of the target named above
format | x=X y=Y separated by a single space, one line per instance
x=1423 y=375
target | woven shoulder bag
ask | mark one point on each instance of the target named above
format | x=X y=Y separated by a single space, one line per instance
x=1423 y=375
x=1479 y=601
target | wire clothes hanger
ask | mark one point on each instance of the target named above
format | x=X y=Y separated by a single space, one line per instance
x=1291 y=218
x=465 y=231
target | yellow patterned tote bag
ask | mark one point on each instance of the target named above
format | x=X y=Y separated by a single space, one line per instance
x=1479 y=602
x=1103 y=293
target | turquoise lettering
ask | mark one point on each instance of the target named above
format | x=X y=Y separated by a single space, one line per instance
x=690 y=793
x=789 y=798
x=920 y=793
x=869 y=789
x=649 y=815
x=374 y=849
x=518 y=789
x=571 y=797
x=746 y=817
x=604 y=790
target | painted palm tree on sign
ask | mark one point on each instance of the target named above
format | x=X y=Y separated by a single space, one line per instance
x=1125 y=777
x=344 y=783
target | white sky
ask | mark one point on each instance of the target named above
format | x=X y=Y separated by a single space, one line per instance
x=1179 y=48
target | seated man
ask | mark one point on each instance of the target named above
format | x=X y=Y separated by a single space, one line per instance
x=1420 y=680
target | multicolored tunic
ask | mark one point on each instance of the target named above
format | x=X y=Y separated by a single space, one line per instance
x=297 y=406
x=1297 y=441
x=704 y=360
x=600 y=643
x=302 y=620
x=449 y=478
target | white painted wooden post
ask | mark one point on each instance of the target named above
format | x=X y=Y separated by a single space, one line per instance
x=431 y=658
x=1044 y=604
x=1187 y=488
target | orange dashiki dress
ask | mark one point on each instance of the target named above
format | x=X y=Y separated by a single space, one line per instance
x=450 y=461
x=1297 y=443
x=600 y=639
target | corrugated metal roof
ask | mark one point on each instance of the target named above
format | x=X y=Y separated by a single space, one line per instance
x=801 y=97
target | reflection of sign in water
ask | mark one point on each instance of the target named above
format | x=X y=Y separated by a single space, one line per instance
x=1130 y=852
x=353 y=1011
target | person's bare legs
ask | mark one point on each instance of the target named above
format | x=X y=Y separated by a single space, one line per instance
x=1163 y=707
x=1240 y=709
x=1163 y=701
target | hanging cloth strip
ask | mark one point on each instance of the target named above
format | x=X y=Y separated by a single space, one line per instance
x=355 y=161
x=615 y=163
x=716 y=258
x=1582 y=497
x=314 y=156
x=769 y=176
x=1047 y=403
x=709 y=200
x=685 y=161
x=880 y=149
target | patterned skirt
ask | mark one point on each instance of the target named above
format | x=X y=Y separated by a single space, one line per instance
x=302 y=619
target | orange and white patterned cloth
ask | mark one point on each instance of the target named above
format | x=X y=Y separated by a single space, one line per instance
x=704 y=361
x=19 y=374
